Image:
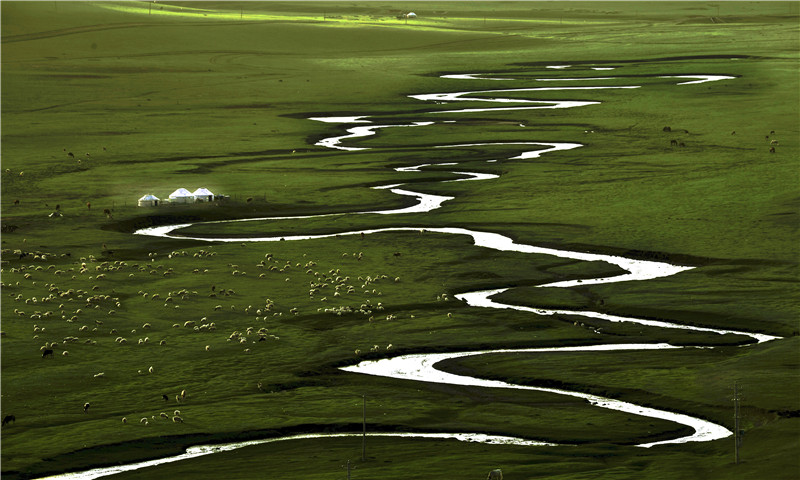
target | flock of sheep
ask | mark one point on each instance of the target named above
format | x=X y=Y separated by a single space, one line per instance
x=69 y=302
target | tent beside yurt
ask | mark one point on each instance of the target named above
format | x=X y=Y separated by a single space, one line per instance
x=149 y=200
x=181 y=195
x=203 y=195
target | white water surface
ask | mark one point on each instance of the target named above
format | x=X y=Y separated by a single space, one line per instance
x=699 y=78
x=356 y=132
x=201 y=450
x=422 y=368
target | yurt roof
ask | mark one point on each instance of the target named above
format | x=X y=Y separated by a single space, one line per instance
x=202 y=191
x=149 y=196
x=181 y=192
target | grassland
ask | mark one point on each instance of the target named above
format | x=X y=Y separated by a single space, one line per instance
x=218 y=94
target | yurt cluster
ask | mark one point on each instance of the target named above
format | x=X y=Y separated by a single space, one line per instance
x=179 y=196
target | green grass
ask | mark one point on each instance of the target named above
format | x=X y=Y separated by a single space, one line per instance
x=217 y=94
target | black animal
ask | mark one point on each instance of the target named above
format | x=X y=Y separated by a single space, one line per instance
x=667 y=129
x=771 y=149
x=48 y=352
x=71 y=154
x=166 y=398
x=8 y=419
x=673 y=143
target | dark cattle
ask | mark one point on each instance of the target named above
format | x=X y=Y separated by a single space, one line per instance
x=681 y=144
x=16 y=202
x=166 y=398
x=667 y=129
x=249 y=199
x=772 y=132
x=733 y=132
x=89 y=205
x=58 y=206
x=397 y=254
x=771 y=149
x=673 y=143
x=71 y=154
x=8 y=419
x=48 y=352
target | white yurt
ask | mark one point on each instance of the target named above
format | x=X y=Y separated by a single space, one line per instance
x=181 y=195
x=149 y=200
x=203 y=195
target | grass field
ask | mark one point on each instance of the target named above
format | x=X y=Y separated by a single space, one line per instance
x=150 y=97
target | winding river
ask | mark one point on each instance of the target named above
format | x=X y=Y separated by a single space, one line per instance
x=423 y=367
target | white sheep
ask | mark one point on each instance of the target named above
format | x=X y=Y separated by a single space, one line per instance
x=151 y=370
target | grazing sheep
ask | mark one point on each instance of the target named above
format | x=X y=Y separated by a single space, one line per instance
x=178 y=398
x=151 y=370
x=144 y=421
x=183 y=394
x=177 y=419
x=773 y=142
x=124 y=420
x=86 y=407
x=495 y=474
x=99 y=375
x=208 y=347
x=65 y=353
x=177 y=413
x=164 y=415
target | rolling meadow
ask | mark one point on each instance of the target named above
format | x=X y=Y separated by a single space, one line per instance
x=671 y=132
